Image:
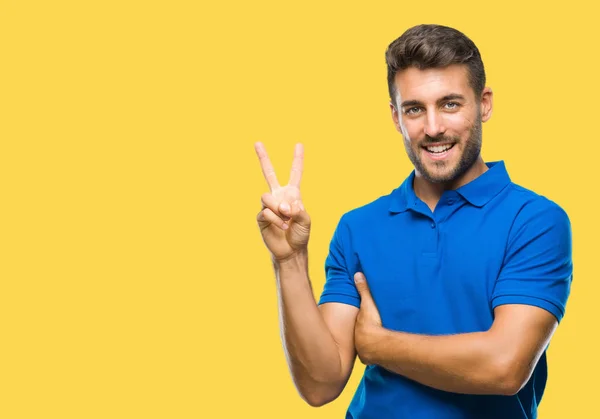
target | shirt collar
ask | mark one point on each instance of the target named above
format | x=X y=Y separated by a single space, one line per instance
x=478 y=192
x=404 y=196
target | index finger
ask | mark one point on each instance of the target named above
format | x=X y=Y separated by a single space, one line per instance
x=267 y=167
x=297 y=166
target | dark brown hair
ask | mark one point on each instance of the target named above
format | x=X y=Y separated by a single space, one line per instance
x=434 y=46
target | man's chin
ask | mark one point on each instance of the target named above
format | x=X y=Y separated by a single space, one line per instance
x=435 y=175
x=440 y=179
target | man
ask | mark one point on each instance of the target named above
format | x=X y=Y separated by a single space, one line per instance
x=449 y=288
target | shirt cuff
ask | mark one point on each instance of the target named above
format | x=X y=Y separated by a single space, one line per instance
x=556 y=310
x=340 y=298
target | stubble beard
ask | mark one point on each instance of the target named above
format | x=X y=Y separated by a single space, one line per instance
x=468 y=158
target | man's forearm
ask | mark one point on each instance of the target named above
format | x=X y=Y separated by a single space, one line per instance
x=463 y=363
x=311 y=351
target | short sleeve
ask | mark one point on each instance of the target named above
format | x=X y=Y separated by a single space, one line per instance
x=538 y=267
x=339 y=284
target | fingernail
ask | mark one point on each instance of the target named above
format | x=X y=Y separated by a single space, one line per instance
x=284 y=207
x=285 y=226
x=358 y=277
x=301 y=206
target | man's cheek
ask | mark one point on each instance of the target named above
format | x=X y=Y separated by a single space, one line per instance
x=460 y=121
x=408 y=130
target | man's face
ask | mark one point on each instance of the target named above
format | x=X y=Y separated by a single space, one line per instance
x=440 y=118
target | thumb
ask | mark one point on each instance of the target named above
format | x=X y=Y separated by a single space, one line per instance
x=361 y=286
x=299 y=214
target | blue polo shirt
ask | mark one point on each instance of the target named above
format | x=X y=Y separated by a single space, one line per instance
x=488 y=243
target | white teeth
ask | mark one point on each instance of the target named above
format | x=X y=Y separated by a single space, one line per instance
x=439 y=148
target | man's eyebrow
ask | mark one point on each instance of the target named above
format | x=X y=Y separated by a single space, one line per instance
x=410 y=103
x=451 y=96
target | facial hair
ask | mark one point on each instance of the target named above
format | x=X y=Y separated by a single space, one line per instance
x=470 y=154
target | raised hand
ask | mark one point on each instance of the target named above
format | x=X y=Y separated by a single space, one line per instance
x=283 y=221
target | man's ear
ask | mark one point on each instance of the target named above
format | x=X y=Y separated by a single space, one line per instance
x=487 y=104
x=395 y=117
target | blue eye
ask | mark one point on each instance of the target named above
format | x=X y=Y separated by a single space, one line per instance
x=451 y=105
x=412 y=111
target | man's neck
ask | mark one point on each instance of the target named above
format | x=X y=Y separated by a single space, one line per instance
x=430 y=192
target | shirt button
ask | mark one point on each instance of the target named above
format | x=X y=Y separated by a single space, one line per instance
x=450 y=201
x=432 y=225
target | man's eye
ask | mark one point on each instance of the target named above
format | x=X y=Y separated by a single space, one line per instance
x=412 y=111
x=451 y=105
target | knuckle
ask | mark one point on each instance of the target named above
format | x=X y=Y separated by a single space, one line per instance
x=271 y=216
x=264 y=199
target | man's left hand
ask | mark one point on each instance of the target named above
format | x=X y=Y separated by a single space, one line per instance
x=368 y=327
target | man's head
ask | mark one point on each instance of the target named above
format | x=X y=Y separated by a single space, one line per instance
x=436 y=82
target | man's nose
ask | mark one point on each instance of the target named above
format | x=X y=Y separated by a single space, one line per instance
x=434 y=124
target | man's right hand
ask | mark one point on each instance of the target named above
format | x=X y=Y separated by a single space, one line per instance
x=283 y=221
x=319 y=340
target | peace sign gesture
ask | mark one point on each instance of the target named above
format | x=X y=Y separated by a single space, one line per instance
x=283 y=221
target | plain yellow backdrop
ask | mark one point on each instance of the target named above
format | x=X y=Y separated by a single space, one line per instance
x=133 y=280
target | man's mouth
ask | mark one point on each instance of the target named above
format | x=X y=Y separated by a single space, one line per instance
x=438 y=149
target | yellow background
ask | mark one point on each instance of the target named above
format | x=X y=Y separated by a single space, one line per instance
x=133 y=280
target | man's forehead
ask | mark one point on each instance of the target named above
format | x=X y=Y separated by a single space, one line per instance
x=432 y=83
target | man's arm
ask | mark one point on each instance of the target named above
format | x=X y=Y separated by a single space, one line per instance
x=319 y=341
x=498 y=361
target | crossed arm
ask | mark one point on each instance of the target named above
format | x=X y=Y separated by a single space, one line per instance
x=497 y=361
x=322 y=353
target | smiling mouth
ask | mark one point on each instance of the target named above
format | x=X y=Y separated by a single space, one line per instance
x=439 y=149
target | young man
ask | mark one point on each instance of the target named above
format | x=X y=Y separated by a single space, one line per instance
x=448 y=289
